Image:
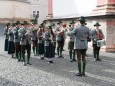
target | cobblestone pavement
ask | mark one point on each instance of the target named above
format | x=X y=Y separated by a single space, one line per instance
x=61 y=73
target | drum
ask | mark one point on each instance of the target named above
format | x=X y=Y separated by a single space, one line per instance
x=101 y=43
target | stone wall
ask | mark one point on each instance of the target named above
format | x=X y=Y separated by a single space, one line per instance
x=110 y=35
x=22 y=10
x=14 y=10
x=90 y=24
x=107 y=26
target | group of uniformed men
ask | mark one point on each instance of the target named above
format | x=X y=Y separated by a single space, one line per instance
x=47 y=36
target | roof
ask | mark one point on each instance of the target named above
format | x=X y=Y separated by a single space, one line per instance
x=24 y=1
x=87 y=17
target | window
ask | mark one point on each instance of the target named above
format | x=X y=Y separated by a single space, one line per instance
x=35 y=13
x=38 y=13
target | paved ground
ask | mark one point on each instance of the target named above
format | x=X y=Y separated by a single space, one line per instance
x=61 y=73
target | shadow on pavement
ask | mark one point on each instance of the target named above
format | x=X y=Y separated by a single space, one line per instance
x=64 y=68
x=7 y=82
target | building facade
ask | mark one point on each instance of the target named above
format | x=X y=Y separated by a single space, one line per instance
x=11 y=10
x=105 y=15
x=40 y=8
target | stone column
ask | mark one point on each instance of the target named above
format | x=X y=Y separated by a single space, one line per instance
x=50 y=9
x=107 y=8
x=110 y=35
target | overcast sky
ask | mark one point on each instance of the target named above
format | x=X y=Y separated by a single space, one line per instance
x=72 y=7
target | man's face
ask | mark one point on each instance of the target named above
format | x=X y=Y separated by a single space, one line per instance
x=9 y=26
x=12 y=26
x=35 y=24
x=18 y=25
x=25 y=26
x=97 y=27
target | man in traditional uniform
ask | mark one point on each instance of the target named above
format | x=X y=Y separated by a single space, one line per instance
x=60 y=38
x=81 y=33
x=97 y=34
x=11 y=46
x=6 y=38
x=40 y=44
x=49 y=47
x=17 y=41
x=54 y=38
x=25 y=42
x=34 y=39
x=71 y=42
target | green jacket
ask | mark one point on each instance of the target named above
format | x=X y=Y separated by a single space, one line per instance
x=6 y=32
x=23 y=37
x=47 y=39
x=71 y=37
x=10 y=34
x=16 y=35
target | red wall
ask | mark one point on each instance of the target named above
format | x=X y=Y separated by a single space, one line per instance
x=49 y=6
x=103 y=2
x=111 y=1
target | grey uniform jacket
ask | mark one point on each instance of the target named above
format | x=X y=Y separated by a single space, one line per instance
x=10 y=34
x=34 y=34
x=58 y=37
x=47 y=38
x=16 y=35
x=24 y=38
x=40 y=37
x=71 y=37
x=6 y=32
x=81 y=33
x=54 y=38
x=94 y=35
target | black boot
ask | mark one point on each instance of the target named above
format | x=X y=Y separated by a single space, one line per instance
x=94 y=54
x=55 y=50
x=58 y=51
x=74 y=60
x=17 y=55
x=79 y=69
x=20 y=56
x=61 y=49
x=98 y=59
x=50 y=61
x=12 y=56
x=84 y=66
x=34 y=50
x=23 y=56
x=28 y=59
x=70 y=54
